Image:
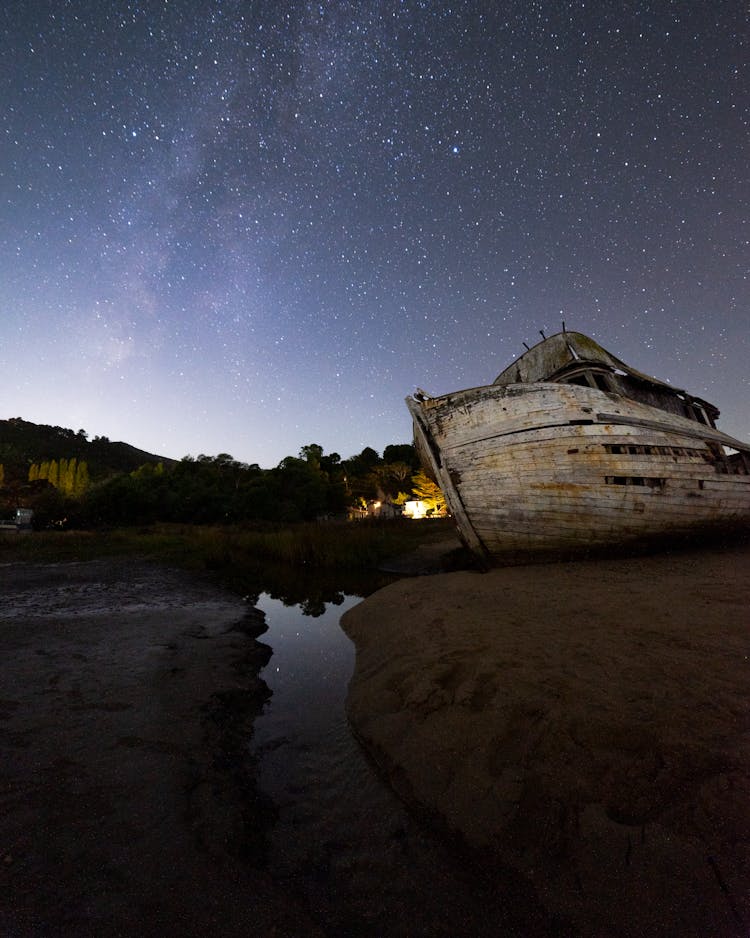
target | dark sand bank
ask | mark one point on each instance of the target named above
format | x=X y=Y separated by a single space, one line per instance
x=585 y=725
x=127 y=805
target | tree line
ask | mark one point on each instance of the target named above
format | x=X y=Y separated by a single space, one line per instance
x=68 y=475
x=221 y=489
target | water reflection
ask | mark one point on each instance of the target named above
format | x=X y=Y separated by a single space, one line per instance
x=343 y=843
x=309 y=591
x=310 y=668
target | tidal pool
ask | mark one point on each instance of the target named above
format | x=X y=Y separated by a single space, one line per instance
x=343 y=843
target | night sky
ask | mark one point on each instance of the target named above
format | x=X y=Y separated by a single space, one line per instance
x=245 y=227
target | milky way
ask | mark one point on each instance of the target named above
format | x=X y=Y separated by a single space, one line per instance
x=244 y=227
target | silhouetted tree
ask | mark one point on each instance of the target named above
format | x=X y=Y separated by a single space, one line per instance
x=401 y=453
x=312 y=454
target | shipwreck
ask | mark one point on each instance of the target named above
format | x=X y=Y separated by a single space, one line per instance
x=571 y=451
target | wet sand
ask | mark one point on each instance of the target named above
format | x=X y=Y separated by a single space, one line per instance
x=583 y=726
x=127 y=799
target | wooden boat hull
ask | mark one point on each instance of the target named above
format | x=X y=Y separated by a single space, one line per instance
x=547 y=470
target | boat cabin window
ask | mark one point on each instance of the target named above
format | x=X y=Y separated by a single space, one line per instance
x=600 y=381
x=589 y=379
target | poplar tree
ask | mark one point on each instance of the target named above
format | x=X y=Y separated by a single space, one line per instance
x=68 y=480
x=81 y=478
x=33 y=472
x=62 y=475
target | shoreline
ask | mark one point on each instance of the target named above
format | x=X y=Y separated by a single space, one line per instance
x=129 y=803
x=582 y=724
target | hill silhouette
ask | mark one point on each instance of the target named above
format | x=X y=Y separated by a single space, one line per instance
x=23 y=443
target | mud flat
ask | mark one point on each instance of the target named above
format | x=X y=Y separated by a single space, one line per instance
x=127 y=802
x=583 y=727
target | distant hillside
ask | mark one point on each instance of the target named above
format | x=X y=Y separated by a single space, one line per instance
x=23 y=443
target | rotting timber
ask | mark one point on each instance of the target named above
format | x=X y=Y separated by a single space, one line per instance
x=571 y=451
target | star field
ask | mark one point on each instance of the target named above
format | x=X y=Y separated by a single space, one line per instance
x=244 y=227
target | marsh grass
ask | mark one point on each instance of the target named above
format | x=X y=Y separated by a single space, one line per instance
x=350 y=546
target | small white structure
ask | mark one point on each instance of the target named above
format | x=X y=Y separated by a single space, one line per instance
x=21 y=522
x=415 y=510
x=24 y=517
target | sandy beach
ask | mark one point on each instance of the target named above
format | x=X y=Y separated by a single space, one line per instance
x=127 y=802
x=582 y=726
